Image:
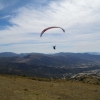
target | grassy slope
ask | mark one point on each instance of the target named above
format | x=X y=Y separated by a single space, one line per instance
x=17 y=88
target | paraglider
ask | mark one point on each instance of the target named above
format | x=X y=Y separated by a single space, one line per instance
x=54 y=47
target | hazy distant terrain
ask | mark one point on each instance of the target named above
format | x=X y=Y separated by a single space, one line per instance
x=59 y=65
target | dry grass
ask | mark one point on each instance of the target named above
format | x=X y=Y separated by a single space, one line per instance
x=17 y=88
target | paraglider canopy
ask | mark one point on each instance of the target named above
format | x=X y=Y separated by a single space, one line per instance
x=50 y=28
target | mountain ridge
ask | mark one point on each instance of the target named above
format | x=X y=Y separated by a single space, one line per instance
x=49 y=65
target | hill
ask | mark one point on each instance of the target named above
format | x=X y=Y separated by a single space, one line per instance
x=7 y=54
x=21 y=88
x=11 y=54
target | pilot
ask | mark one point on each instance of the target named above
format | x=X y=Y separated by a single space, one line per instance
x=54 y=47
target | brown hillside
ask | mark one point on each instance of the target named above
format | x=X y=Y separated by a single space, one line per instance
x=18 y=88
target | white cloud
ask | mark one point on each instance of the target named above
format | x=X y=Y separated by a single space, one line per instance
x=80 y=19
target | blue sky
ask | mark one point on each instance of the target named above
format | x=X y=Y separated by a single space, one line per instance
x=21 y=22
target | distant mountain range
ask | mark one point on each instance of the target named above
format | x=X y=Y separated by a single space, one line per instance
x=11 y=54
x=48 y=65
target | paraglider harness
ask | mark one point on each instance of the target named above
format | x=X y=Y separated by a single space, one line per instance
x=54 y=47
